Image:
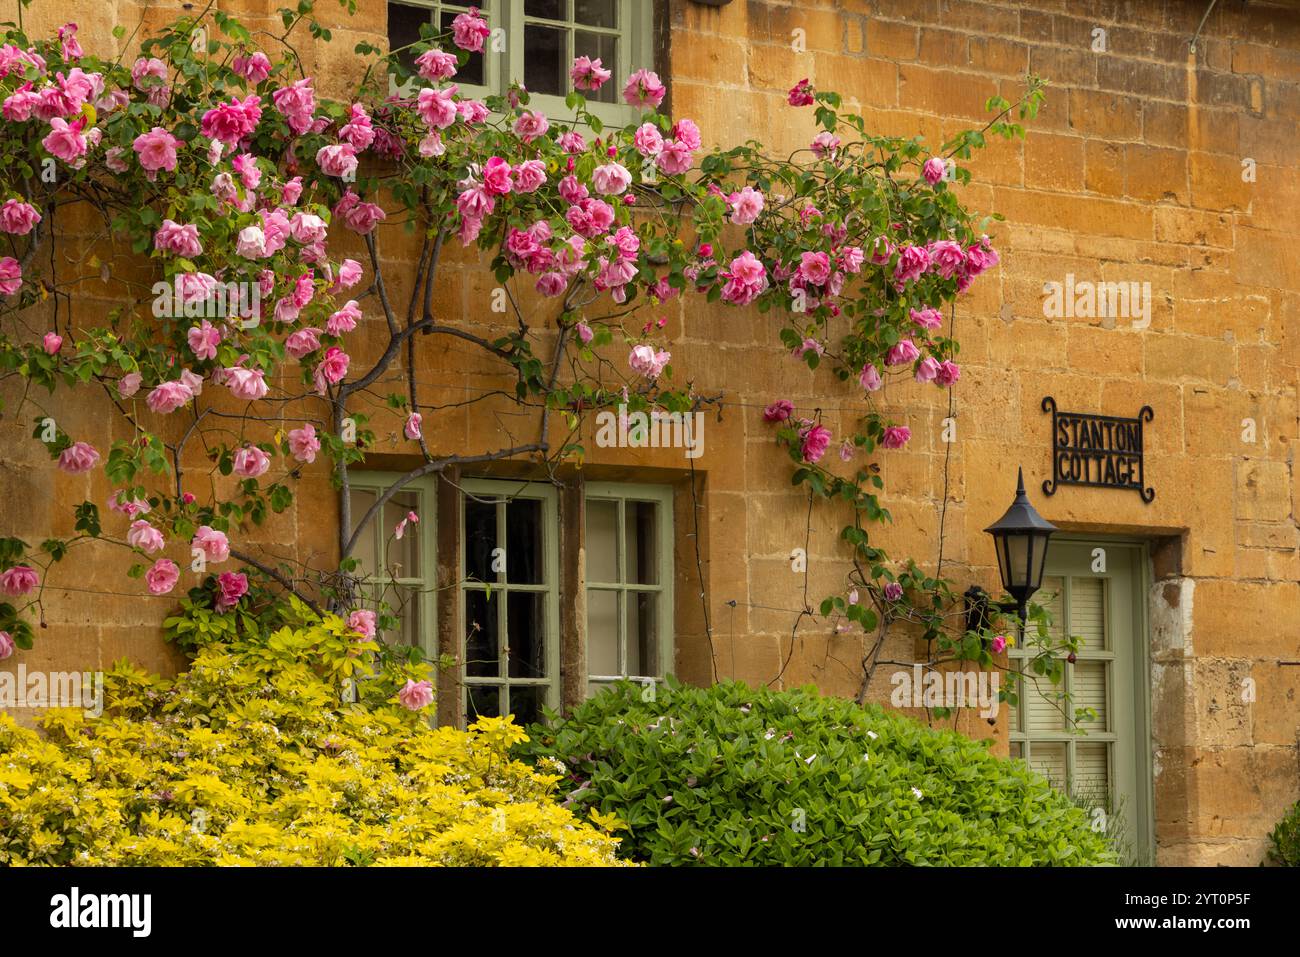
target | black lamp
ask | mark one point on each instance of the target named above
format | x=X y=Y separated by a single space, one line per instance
x=1020 y=538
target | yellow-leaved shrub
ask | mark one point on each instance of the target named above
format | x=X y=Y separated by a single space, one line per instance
x=251 y=757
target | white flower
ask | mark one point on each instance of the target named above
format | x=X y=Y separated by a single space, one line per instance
x=917 y=792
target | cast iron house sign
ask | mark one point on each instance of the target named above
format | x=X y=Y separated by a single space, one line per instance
x=1103 y=451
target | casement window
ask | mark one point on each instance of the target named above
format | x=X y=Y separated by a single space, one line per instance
x=629 y=583
x=1109 y=766
x=397 y=572
x=509 y=598
x=537 y=43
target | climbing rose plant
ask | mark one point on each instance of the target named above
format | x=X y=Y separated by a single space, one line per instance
x=241 y=211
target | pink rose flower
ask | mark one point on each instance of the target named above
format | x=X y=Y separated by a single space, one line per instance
x=214 y=544
x=902 y=353
x=927 y=369
x=469 y=30
x=778 y=411
x=254 y=68
x=998 y=644
x=145 y=537
x=947 y=257
x=648 y=140
x=412 y=428
x=233 y=586
x=611 y=179
x=78 y=458
x=11 y=276
x=156 y=150
x=436 y=65
x=65 y=140
x=585 y=334
x=172 y=237
x=52 y=342
x=362 y=622
x=825 y=144
x=128 y=385
x=228 y=123
x=913 y=261
x=496 y=176
x=646 y=361
x=893 y=591
x=344 y=320
x=869 y=378
x=339 y=159
x=296 y=103
x=674 y=158
x=896 y=436
x=162 y=576
x=18 y=581
x=302 y=342
x=644 y=89
x=332 y=368
x=816 y=440
x=416 y=694
x=6 y=645
x=528 y=176
x=358 y=132
x=18 y=218
x=588 y=74
x=303 y=444
x=933 y=170
x=815 y=267
x=801 y=94
x=927 y=317
x=531 y=125
x=746 y=206
x=949 y=372
x=251 y=462
x=246 y=383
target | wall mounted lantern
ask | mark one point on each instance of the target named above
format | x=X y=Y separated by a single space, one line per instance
x=1020 y=538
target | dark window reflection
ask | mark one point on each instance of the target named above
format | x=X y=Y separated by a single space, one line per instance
x=526 y=704
x=480 y=539
x=526 y=624
x=524 y=541
x=545 y=70
x=482 y=641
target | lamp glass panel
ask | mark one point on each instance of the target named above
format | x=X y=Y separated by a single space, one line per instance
x=1039 y=558
x=1016 y=574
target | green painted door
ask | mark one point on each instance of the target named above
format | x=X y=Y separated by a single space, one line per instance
x=1095 y=591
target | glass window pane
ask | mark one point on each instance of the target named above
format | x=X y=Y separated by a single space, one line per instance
x=642 y=647
x=406 y=606
x=596 y=13
x=549 y=9
x=403 y=554
x=596 y=687
x=472 y=71
x=602 y=632
x=526 y=703
x=524 y=541
x=404 y=28
x=545 y=60
x=484 y=702
x=480 y=539
x=364 y=551
x=526 y=631
x=482 y=647
x=602 y=540
x=1048 y=759
x=603 y=47
x=640 y=540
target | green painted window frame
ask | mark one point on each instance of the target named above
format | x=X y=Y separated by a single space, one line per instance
x=1128 y=702
x=635 y=38
x=503 y=490
x=662 y=497
x=425 y=489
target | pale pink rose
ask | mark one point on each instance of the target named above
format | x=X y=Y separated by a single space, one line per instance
x=528 y=176
x=644 y=89
x=303 y=444
x=648 y=140
x=156 y=149
x=687 y=133
x=128 y=385
x=251 y=243
x=251 y=462
x=825 y=145
x=927 y=317
x=172 y=237
x=674 y=158
x=145 y=537
x=302 y=342
x=552 y=283
x=52 y=342
x=949 y=372
x=246 y=383
x=296 y=103
x=584 y=332
x=358 y=216
x=469 y=30
x=233 y=586
x=746 y=206
x=815 y=267
x=214 y=544
x=869 y=378
x=162 y=576
x=339 y=160
x=350 y=273
x=933 y=170
x=927 y=369
x=902 y=353
x=816 y=440
x=7 y=645
x=431 y=145
x=65 y=140
x=332 y=368
x=437 y=107
x=254 y=68
x=307 y=228
x=362 y=622
x=18 y=218
x=204 y=339
x=588 y=74
x=192 y=382
x=531 y=125
x=412 y=427
x=611 y=179
x=18 y=581
x=358 y=132
x=896 y=436
x=344 y=320
x=846 y=450
x=571 y=141
x=11 y=276
x=167 y=397
x=648 y=362
x=78 y=458
x=291 y=190
x=746 y=280
x=947 y=257
x=436 y=65
x=416 y=694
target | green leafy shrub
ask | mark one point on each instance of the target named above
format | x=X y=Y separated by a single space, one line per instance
x=734 y=775
x=1284 y=841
